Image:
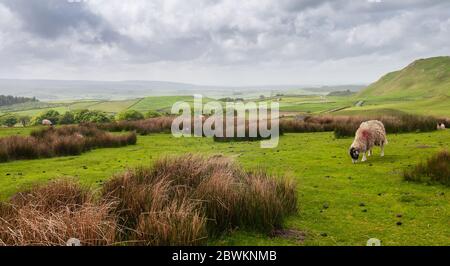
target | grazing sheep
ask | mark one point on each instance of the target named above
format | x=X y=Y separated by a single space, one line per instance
x=369 y=134
x=47 y=122
x=441 y=126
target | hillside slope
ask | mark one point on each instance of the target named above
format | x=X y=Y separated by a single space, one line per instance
x=423 y=78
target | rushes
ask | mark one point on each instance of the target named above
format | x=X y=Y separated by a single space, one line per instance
x=346 y=126
x=68 y=140
x=52 y=214
x=435 y=170
x=194 y=197
x=178 y=201
x=143 y=127
x=177 y=224
x=343 y=126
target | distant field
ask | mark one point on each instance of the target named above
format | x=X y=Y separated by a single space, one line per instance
x=62 y=107
x=162 y=103
x=339 y=203
x=303 y=104
x=437 y=106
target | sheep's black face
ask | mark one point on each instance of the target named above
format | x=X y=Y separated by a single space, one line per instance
x=354 y=153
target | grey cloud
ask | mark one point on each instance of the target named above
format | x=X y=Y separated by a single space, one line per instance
x=223 y=32
x=51 y=19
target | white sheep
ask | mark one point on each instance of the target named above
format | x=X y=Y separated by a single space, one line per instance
x=369 y=134
x=47 y=122
x=441 y=126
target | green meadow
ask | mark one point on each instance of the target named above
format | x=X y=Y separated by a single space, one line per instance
x=340 y=203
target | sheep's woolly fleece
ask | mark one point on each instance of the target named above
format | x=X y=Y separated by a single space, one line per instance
x=369 y=134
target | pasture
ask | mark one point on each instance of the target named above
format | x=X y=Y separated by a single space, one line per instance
x=339 y=203
x=290 y=105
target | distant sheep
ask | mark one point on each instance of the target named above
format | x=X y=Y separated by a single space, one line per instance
x=441 y=126
x=369 y=134
x=47 y=122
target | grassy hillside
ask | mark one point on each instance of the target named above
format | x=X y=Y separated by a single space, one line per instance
x=423 y=88
x=423 y=78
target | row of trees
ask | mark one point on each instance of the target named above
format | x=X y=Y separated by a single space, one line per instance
x=75 y=117
x=10 y=100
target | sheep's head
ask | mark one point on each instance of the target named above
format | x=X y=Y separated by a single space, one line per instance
x=354 y=153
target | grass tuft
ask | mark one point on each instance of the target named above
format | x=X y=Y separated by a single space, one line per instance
x=52 y=214
x=64 y=141
x=435 y=170
x=203 y=195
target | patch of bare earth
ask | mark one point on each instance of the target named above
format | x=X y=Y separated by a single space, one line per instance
x=291 y=234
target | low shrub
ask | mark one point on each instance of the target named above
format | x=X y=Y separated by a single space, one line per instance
x=67 y=140
x=130 y=115
x=435 y=170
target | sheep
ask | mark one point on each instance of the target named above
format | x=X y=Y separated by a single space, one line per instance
x=370 y=133
x=441 y=126
x=47 y=122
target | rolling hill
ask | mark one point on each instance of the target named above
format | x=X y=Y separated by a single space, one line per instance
x=423 y=87
x=423 y=78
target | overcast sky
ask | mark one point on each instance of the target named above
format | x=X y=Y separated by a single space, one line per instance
x=219 y=42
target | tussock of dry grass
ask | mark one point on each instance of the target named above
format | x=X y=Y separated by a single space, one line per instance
x=52 y=214
x=216 y=193
x=346 y=126
x=178 y=201
x=343 y=126
x=435 y=170
x=143 y=127
x=53 y=142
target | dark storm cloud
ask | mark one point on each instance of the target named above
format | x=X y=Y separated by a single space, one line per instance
x=54 y=18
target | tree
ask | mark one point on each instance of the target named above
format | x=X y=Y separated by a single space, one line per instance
x=99 y=117
x=94 y=116
x=9 y=120
x=152 y=114
x=51 y=115
x=24 y=120
x=10 y=100
x=130 y=115
x=67 y=118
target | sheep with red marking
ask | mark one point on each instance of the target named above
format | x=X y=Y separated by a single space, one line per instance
x=369 y=134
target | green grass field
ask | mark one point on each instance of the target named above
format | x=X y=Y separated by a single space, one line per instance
x=33 y=109
x=309 y=104
x=339 y=203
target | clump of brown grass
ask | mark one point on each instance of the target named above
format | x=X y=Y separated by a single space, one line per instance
x=53 y=142
x=199 y=196
x=52 y=214
x=346 y=126
x=178 y=201
x=178 y=223
x=143 y=127
x=435 y=170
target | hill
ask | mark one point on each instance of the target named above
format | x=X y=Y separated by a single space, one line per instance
x=423 y=78
x=423 y=87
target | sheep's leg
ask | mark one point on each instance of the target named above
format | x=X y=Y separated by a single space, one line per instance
x=370 y=153
x=364 y=158
x=382 y=150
